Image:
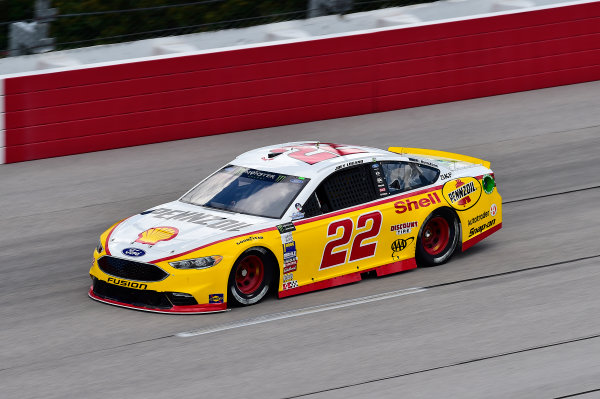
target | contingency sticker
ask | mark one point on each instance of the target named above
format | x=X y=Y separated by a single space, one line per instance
x=290 y=260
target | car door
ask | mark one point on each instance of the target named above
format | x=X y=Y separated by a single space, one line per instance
x=337 y=236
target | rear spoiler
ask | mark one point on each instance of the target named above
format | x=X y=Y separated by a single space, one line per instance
x=449 y=156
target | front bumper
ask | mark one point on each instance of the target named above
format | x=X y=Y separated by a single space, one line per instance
x=150 y=301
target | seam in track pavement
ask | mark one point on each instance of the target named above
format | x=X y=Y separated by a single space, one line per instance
x=578 y=394
x=336 y=305
x=478 y=359
x=550 y=195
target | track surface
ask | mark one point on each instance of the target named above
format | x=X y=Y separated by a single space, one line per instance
x=474 y=332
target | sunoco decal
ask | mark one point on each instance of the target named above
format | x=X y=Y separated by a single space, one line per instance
x=215 y=298
x=462 y=193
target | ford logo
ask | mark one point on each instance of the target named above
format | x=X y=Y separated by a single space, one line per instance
x=136 y=252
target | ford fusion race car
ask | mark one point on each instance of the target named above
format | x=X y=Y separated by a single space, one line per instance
x=296 y=217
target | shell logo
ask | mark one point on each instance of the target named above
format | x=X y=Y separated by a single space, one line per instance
x=157 y=234
x=462 y=193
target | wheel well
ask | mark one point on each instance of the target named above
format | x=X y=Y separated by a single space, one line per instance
x=274 y=270
x=459 y=233
x=445 y=211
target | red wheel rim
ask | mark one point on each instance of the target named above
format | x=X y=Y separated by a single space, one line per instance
x=249 y=274
x=436 y=235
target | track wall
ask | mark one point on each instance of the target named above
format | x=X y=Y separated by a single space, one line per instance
x=134 y=103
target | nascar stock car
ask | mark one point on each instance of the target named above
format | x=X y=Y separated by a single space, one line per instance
x=296 y=217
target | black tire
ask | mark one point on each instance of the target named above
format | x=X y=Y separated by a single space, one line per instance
x=438 y=238
x=250 y=277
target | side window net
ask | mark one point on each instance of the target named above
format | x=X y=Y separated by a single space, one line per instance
x=348 y=187
x=312 y=206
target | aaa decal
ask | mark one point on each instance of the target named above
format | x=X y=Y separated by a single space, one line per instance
x=399 y=245
x=157 y=234
x=462 y=193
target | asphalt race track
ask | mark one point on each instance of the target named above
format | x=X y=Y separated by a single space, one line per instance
x=517 y=316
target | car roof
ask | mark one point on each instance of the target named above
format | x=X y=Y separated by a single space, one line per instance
x=307 y=158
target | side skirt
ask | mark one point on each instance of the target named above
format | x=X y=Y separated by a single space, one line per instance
x=469 y=243
x=390 y=268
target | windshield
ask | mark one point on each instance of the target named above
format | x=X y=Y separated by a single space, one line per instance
x=249 y=191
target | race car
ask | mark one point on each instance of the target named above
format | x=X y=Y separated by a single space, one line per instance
x=294 y=218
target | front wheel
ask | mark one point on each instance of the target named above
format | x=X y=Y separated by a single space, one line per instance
x=250 y=277
x=438 y=238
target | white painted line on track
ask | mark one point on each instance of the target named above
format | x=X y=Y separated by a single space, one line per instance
x=300 y=312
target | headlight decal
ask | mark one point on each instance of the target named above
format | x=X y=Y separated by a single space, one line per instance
x=197 y=263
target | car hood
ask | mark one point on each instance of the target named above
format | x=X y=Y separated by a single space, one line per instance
x=176 y=227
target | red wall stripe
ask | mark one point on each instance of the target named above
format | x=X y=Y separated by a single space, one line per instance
x=182 y=97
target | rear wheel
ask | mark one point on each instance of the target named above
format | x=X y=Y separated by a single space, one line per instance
x=250 y=277
x=438 y=238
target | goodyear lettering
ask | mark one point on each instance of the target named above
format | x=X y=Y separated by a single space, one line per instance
x=249 y=239
x=479 y=217
x=125 y=283
x=477 y=230
x=408 y=205
x=214 y=222
x=462 y=192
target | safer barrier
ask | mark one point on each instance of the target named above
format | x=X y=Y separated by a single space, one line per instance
x=126 y=104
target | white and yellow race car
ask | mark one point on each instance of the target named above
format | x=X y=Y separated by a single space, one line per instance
x=296 y=217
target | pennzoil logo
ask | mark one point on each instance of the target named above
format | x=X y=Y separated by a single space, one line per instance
x=157 y=234
x=125 y=283
x=462 y=193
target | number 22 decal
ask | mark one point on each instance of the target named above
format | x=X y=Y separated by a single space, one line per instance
x=358 y=251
